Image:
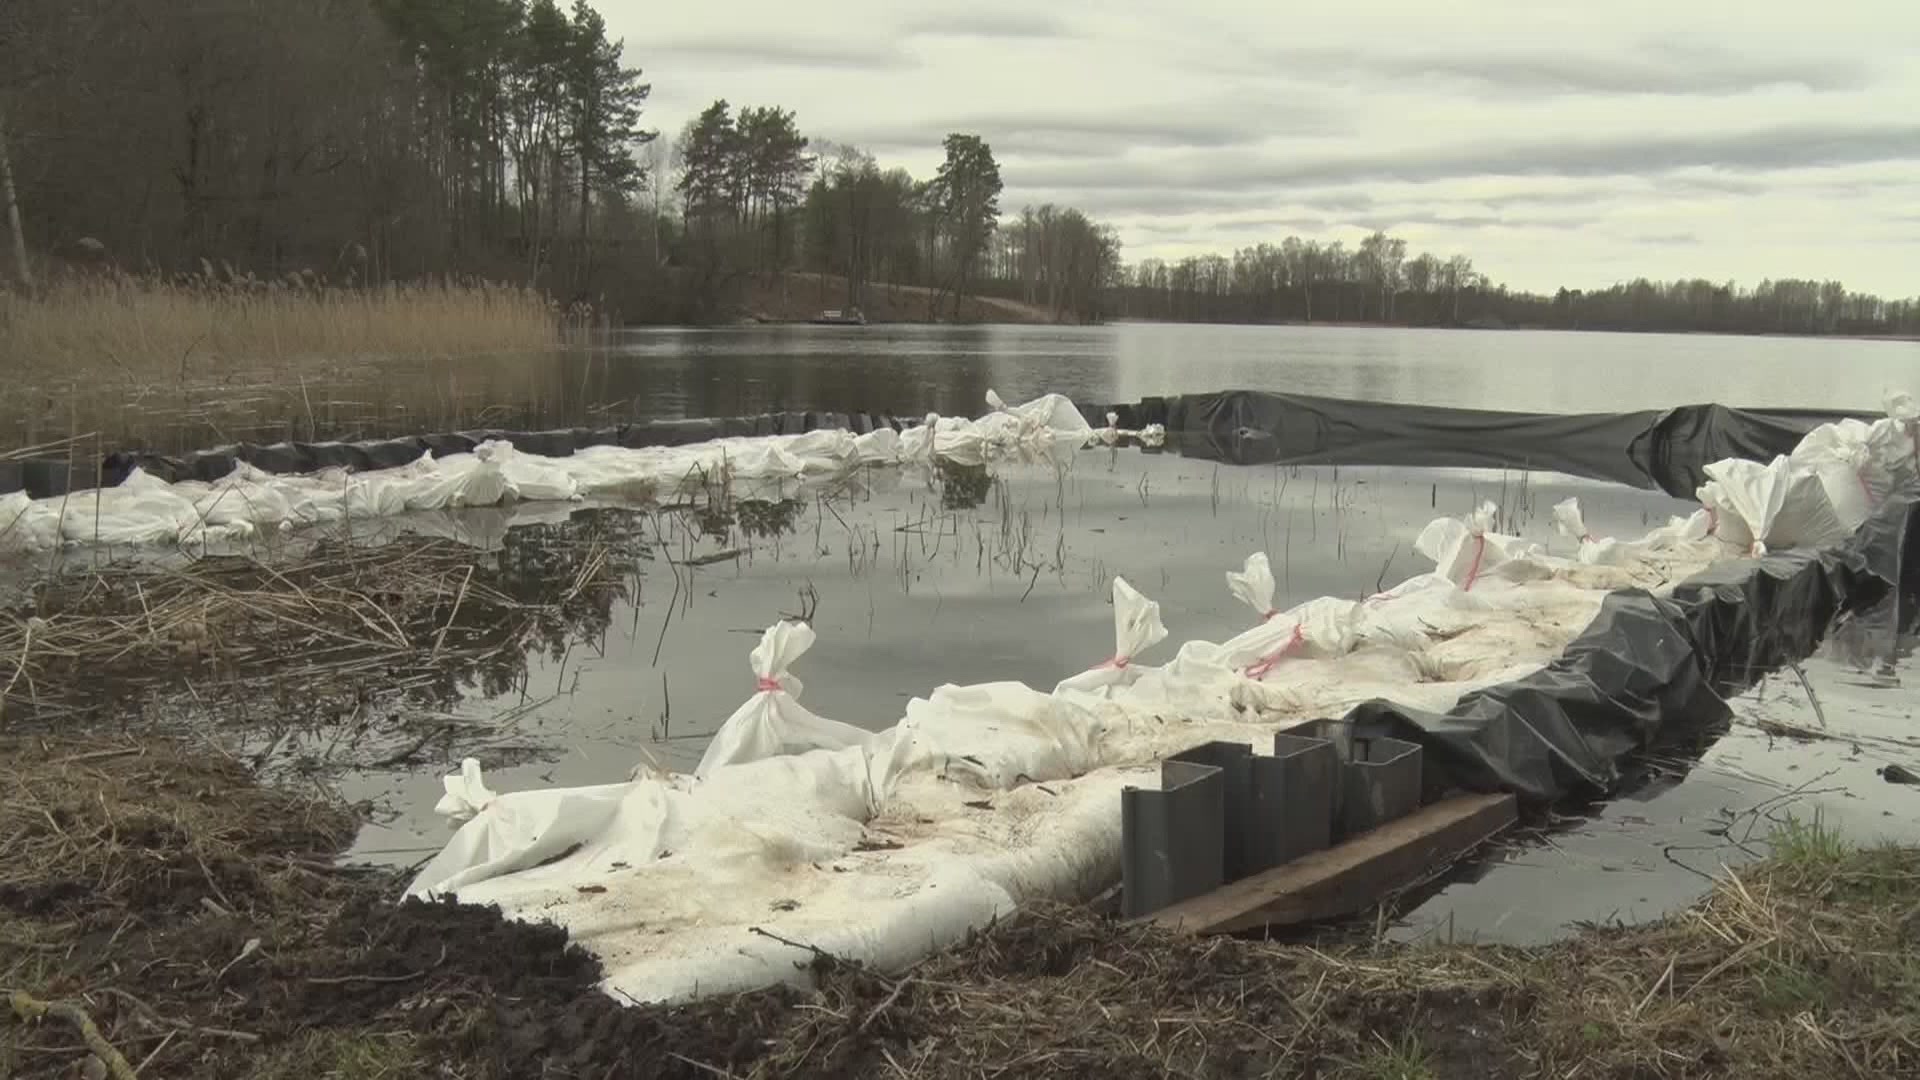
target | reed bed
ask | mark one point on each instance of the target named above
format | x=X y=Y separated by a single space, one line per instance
x=332 y=629
x=173 y=364
x=221 y=323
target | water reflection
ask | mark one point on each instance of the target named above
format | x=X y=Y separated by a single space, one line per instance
x=912 y=370
x=325 y=640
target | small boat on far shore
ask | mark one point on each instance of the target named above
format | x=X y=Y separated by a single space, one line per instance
x=838 y=317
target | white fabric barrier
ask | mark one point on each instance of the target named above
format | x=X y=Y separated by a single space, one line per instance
x=773 y=721
x=144 y=510
x=883 y=846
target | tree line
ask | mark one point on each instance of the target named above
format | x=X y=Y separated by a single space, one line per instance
x=363 y=139
x=377 y=140
x=1307 y=281
x=758 y=197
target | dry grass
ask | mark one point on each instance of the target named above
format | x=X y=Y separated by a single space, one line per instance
x=1805 y=965
x=195 y=919
x=174 y=365
x=334 y=627
x=150 y=329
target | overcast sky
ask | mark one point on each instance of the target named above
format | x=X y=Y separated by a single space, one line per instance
x=1555 y=142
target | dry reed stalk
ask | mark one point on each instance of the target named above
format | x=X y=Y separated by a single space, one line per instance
x=174 y=365
x=385 y=613
x=155 y=329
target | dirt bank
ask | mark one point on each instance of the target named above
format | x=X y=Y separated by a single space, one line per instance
x=196 y=920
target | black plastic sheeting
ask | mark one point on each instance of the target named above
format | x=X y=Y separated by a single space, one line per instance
x=1649 y=667
x=1648 y=449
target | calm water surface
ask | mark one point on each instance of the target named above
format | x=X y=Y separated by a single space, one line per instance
x=910 y=369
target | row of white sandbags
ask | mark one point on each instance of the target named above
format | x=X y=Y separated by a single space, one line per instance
x=144 y=509
x=882 y=846
x=1824 y=490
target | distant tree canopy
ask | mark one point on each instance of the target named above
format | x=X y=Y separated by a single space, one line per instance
x=372 y=140
x=1307 y=281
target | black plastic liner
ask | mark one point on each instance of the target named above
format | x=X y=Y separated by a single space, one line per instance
x=1650 y=449
x=1647 y=666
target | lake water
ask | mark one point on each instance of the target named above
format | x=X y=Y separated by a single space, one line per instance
x=914 y=583
x=915 y=369
x=912 y=370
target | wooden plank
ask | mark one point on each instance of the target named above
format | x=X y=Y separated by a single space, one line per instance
x=1348 y=878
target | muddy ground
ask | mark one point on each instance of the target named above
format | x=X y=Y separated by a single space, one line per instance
x=197 y=920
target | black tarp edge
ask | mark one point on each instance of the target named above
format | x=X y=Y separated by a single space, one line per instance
x=1665 y=449
x=1648 y=667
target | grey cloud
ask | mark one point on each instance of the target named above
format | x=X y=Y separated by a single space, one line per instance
x=1131 y=201
x=780 y=52
x=1666 y=238
x=1389 y=222
x=1004 y=27
x=1651 y=68
x=1762 y=150
x=1088 y=136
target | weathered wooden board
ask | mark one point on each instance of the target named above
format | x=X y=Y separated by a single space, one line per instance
x=1348 y=878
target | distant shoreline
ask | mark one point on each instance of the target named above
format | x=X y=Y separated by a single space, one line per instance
x=878 y=322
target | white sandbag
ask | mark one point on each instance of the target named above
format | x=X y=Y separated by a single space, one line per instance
x=1771 y=507
x=1324 y=626
x=529 y=476
x=246 y=496
x=1253 y=585
x=1841 y=454
x=996 y=735
x=877 y=447
x=1468 y=552
x=146 y=510
x=457 y=481
x=773 y=721
x=500 y=834
x=1047 y=424
x=27 y=525
x=1895 y=440
x=1136 y=628
x=1569 y=522
x=143 y=509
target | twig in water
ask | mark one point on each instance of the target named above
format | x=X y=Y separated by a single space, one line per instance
x=440 y=638
x=1035 y=580
x=1813 y=699
x=395 y=759
x=1379 y=583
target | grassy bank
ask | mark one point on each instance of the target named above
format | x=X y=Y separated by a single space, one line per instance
x=195 y=921
x=126 y=359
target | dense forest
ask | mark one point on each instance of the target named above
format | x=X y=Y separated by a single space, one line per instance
x=381 y=140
